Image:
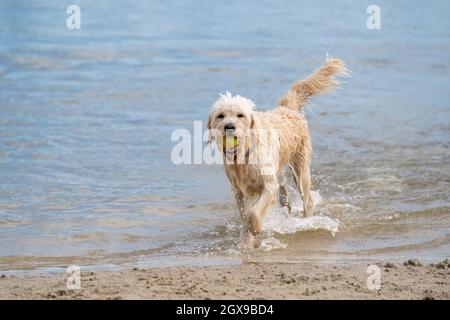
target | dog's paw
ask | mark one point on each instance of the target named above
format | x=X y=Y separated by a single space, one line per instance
x=248 y=241
x=308 y=209
x=254 y=222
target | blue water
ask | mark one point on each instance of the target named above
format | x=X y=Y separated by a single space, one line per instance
x=86 y=118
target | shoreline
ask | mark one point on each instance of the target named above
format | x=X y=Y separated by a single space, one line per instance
x=306 y=280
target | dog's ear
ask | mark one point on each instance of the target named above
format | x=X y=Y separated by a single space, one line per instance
x=210 y=135
x=252 y=122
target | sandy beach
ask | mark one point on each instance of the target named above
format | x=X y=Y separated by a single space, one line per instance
x=248 y=281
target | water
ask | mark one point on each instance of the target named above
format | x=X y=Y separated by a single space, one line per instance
x=86 y=118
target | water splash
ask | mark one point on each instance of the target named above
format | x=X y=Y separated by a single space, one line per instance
x=281 y=222
x=271 y=243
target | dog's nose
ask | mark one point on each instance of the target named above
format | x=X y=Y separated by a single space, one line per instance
x=229 y=127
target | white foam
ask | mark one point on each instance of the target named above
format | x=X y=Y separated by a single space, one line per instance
x=281 y=222
x=271 y=243
x=292 y=224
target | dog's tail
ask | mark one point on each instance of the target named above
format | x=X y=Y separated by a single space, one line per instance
x=319 y=82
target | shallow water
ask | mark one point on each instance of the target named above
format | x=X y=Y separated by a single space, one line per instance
x=86 y=118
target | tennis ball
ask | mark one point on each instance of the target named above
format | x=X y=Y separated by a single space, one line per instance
x=230 y=141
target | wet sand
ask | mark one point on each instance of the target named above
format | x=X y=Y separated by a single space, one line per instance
x=248 y=281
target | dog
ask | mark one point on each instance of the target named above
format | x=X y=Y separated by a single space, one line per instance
x=258 y=145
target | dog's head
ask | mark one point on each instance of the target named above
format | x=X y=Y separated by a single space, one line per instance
x=230 y=121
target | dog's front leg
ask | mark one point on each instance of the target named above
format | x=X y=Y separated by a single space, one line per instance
x=247 y=239
x=239 y=196
x=258 y=209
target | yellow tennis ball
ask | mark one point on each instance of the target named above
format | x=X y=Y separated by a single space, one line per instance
x=230 y=141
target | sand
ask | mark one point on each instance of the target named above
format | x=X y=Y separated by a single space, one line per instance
x=247 y=281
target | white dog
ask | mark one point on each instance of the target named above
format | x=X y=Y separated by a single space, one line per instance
x=257 y=146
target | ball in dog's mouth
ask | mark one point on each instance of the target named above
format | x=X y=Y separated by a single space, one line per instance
x=230 y=144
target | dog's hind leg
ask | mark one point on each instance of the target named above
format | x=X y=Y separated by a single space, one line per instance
x=305 y=180
x=283 y=191
x=302 y=176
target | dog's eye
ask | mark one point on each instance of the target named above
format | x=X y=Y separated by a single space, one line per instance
x=240 y=115
x=220 y=116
